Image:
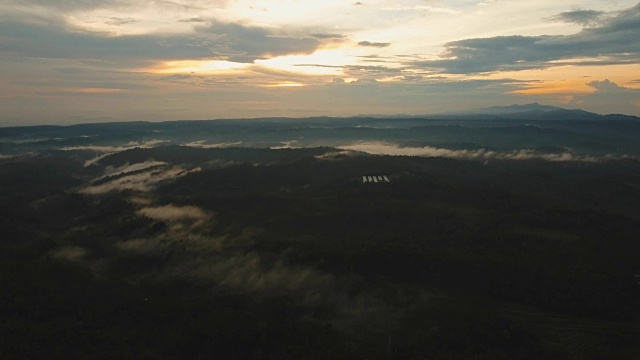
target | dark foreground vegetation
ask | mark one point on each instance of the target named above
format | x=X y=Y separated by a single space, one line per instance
x=286 y=254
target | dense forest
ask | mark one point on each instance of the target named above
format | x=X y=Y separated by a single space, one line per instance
x=181 y=252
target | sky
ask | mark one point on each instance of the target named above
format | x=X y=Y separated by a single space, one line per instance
x=81 y=61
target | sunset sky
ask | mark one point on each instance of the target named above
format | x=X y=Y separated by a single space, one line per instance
x=75 y=61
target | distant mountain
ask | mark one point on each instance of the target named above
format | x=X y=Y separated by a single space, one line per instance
x=555 y=114
x=532 y=111
x=513 y=109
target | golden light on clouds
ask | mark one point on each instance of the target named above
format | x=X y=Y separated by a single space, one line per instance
x=556 y=87
x=324 y=62
x=321 y=62
x=569 y=79
x=620 y=74
x=199 y=67
x=284 y=85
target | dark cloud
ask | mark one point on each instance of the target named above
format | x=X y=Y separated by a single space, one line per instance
x=608 y=86
x=362 y=70
x=247 y=44
x=193 y=20
x=373 y=44
x=117 y=21
x=616 y=41
x=380 y=59
x=177 y=77
x=54 y=42
x=373 y=56
x=217 y=41
x=582 y=17
x=491 y=54
x=365 y=81
x=190 y=5
x=320 y=65
x=65 y=5
x=323 y=36
x=71 y=5
x=412 y=78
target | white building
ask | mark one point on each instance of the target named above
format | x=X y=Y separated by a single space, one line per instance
x=375 y=179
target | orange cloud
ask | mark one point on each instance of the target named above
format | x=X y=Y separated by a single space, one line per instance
x=572 y=86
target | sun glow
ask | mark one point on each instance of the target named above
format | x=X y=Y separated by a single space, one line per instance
x=284 y=85
x=326 y=62
x=321 y=62
x=199 y=66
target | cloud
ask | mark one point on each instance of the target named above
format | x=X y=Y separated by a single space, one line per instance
x=221 y=41
x=118 y=21
x=379 y=148
x=426 y=8
x=174 y=213
x=247 y=271
x=232 y=262
x=608 y=86
x=581 y=17
x=193 y=20
x=211 y=260
x=376 y=71
x=110 y=150
x=70 y=253
x=615 y=41
x=67 y=5
x=323 y=36
x=492 y=54
x=70 y=6
x=247 y=44
x=225 y=263
x=373 y=44
x=96 y=148
x=610 y=98
x=127 y=168
x=334 y=155
x=139 y=181
x=290 y=144
x=224 y=260
x=202 y=144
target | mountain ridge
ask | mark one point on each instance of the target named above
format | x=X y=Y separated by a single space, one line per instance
x=530 y=111
x=518 y=112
